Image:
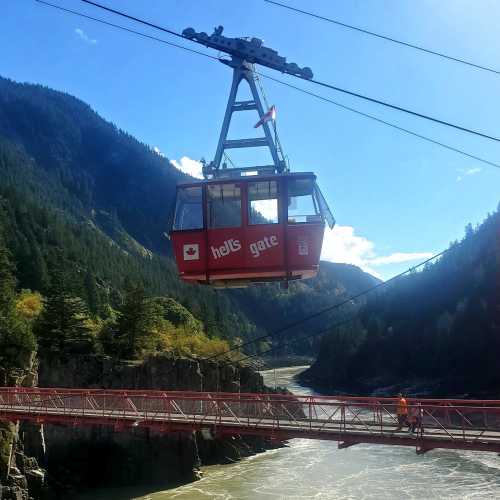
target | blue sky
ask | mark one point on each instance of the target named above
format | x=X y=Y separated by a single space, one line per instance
x=395 y=197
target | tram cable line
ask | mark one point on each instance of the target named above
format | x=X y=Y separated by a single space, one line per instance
x=341 y=322
x=282 y=82
x=317 y=82
x=136 y=19
x=345 y=321
x=380 y=120
x=404 y=110
x=384 y=37
x=338 y=305
x=292 y=340
x=124 y=28
x=335 y=306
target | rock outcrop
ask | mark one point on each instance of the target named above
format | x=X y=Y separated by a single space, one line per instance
x=21 y=478
x=89 y=457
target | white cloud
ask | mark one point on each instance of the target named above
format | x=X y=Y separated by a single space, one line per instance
x=341 y=244
x=83 y=36
x=189 y=166
x=473 y=171
x=398 y=257
x=469 y=171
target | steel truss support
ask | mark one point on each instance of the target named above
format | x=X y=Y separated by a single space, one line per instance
x=243 y=71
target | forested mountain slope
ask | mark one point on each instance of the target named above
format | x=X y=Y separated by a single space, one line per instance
x=100 y=166
x=441 y=324
x=79 y=194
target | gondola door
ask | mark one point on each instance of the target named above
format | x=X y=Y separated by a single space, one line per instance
x=264 y=256
x=225 y=229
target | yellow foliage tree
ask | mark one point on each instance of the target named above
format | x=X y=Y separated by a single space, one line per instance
x=29 y=305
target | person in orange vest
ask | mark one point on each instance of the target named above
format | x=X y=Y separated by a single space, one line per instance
x=402 y=412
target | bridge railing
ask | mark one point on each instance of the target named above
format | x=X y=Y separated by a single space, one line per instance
x=354 y=417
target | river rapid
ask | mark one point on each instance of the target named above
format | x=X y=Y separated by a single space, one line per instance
x=309 y=469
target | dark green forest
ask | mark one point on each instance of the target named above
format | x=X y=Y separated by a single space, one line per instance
x=441 y=324
x=83 y=210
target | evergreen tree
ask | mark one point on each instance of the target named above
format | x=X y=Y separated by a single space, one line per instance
x=92 y=294
x=63 y=322
x=137 y=318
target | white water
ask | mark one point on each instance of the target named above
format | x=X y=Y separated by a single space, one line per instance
x=309 y=469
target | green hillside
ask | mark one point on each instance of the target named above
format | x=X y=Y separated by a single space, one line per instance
x=440 y=326
x=82 y=197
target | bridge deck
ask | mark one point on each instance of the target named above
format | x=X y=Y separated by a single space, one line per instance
x=457 y=424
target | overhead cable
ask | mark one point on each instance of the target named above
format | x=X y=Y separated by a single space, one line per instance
x=348 y=108
x=333 y=307
x=344 y=321
x=123 y=28
x=380 y=120
x=384 y=37
x=317 y=82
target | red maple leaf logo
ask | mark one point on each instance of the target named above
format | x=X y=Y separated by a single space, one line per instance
x=190 y=251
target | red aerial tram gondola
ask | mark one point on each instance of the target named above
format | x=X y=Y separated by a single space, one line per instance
x=253 y=224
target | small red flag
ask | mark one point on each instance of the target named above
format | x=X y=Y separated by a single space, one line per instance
x=270 y=115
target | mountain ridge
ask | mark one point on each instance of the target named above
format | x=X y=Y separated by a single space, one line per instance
x=437 y=330
x=63 y=158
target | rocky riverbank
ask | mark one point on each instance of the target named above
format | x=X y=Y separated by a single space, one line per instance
x=387 y=386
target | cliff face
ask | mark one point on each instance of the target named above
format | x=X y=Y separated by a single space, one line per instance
x=84 y=457
x=20 y=476
x=159 y=372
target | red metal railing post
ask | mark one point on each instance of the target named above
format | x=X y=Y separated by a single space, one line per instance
x=310 y=412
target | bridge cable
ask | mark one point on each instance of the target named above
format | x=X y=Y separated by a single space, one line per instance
x=281 y=82
x=317 y=82
x=383 y=37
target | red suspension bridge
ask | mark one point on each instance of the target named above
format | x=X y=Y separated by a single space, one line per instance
x=452 y=424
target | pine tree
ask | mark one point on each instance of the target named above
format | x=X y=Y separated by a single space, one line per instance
x=63 y=322
x=137 y=318
x=92 y=294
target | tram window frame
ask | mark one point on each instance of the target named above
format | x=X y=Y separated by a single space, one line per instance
x=182 y=202
x=252 y=212
x=215 y=203
x=303 y=192
x=324 y=208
